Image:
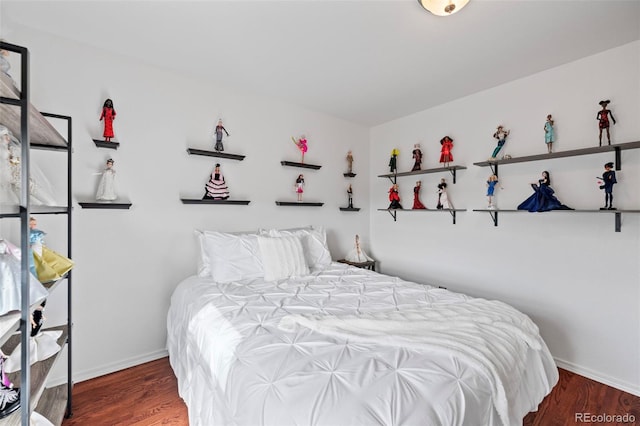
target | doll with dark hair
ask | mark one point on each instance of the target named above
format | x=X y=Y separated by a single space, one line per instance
x=603 y=120
x=501 y=135
x=443 y=196
x=417 y=204
x=417 y=157
x=394 y=197
x=542 y=199
x=445 y=151
x=607 y=181
x=108 y=115
x=350 y=197
x=300 y=186
x=216 y=187
x=218 y=132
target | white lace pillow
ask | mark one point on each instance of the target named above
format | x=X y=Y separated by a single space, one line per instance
x=282 y=257
x=314 y=243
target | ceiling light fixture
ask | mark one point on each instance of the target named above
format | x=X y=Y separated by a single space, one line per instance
x=443 y=7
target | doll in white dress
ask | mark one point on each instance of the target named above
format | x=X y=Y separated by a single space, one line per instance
x=357 y=255
x=106 y=187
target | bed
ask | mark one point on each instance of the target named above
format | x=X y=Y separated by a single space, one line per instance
x=337 y=345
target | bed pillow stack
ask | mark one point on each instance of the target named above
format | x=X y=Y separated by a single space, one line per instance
x=314 y=243
x=282 y=257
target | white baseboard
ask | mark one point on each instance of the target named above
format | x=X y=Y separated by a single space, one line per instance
x=632 y=388
x=81 y=376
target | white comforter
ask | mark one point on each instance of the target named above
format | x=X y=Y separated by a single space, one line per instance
x=346 y=346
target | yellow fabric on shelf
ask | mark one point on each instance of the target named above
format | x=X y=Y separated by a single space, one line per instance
x=51 y=265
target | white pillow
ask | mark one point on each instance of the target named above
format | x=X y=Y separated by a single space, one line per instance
x=226 y=256
x=314 y=243
x=282 y=257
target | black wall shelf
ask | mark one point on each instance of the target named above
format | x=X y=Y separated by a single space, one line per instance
x=299 y=203
x=104 y=205
x=394 y=212
x=349 y=209
x=349 y=174
x=451 y=169
x=206 y=153
x=301 y=165
x=212 y=201
x=105 y=144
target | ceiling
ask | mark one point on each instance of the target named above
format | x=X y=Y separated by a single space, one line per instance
x=365 y=61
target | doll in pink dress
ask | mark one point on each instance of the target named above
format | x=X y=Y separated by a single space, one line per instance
x=300 y=186
x=301 y=143
x=108 y=115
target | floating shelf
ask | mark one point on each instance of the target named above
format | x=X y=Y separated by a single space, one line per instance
x=211 y=201
x=104 y=205
x=302 y=165
x=350 y=209
x=206 y=153
x=349 y=174
x=105 y=144
x=393 y=212
x=14 y=211
x=452 y=169
x=618 y=214
x=298 y=203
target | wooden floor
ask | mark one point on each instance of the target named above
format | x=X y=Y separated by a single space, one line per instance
x=148 y=395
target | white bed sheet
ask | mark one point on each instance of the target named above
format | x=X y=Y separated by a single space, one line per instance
x=235 y=366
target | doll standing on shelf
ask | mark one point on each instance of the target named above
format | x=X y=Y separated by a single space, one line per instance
x=603 y=120
x=549 y=134
x=216 y=187
x=300 y=186
x=443 y=197
x=417 y=204
x=492 y=182
x=394 y=197
x=606 y=182
x=445 y=151
x=45 y=263
x=350 y=162
x=108 y=115
x=357 y=254
x=301 y=143
x=393 y=161
x=350 y=197
x=417 y=157
x=218 y=132
x=501 y=135
x=106 y=187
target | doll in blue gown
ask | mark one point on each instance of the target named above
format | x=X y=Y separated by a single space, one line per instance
x=542 y=199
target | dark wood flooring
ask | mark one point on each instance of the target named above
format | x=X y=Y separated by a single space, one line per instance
x=148 y=395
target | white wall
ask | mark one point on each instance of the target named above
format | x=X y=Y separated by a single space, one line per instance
x=577 y=278
x=129 y=261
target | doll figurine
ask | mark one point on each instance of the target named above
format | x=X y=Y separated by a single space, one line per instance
x=492 y=182
x=218 y=132
x=394 y=197
x=350 y=197
x=301 y=143
x=443 y=197
x=106 y=187
x=393 y=161
x=603 y=120
x=44 y=263
x=300 y=186
x=417 y=157
x=501 y=135
x=549 y=134
x=108 y=115
x=606 y=182
x=216 y=187
x=542 y=199
x=350 y=162
x=445 y=151
x=417 y=204
x=357 y=255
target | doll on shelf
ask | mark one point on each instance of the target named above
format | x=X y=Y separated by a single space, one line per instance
x=501 y=135
x=301 y=143
x=350 y=197
x=549 y=133
x=108 y=115
x=44 y=263
x=603 y=120
x=393 y=161
x=216 y=187
x=394 y=197
x=542 y=199
x=299 y=188
x=606 y=182
x=417 y=204
x=417 y=157
x=219 y=133
x=492 y=182
x=445 y=151
x=443 y=197
x=106 y=187
x=350 y=162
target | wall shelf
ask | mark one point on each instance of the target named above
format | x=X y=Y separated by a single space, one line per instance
x=349 y=209
x=617 y=214
x=451 y=169
x=299 y=203
x=207 y=153
x=105 y=144
x=349 y=174
x=211 y=201
x=104 y=205
x=300 y=165
x=393 y=212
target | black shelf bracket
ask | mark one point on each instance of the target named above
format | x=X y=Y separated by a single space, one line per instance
x=453 y=215
x=453 y=174
x=494 y=217
x=618 y=215
x=393 y=214
x=618 y=158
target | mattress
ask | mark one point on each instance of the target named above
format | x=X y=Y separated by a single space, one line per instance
x=236 y=363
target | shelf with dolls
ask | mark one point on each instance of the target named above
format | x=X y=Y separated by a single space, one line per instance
x=104 y=205
x=299 y=203
x=453 y=212
x=218 y=154
x=25 y=195
x=300 y=165
x=213 y=201
x=451 y=169
x=542 y=186
x=106 y=144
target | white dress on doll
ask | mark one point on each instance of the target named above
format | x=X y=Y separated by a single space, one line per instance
x=106 y=187
x=357 y=255
x=10 y=280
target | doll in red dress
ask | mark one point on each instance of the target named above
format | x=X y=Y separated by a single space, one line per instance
x=603 y=120
x=394 y=197
x=445 y=151
x=417 y=204
x=108 y=114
